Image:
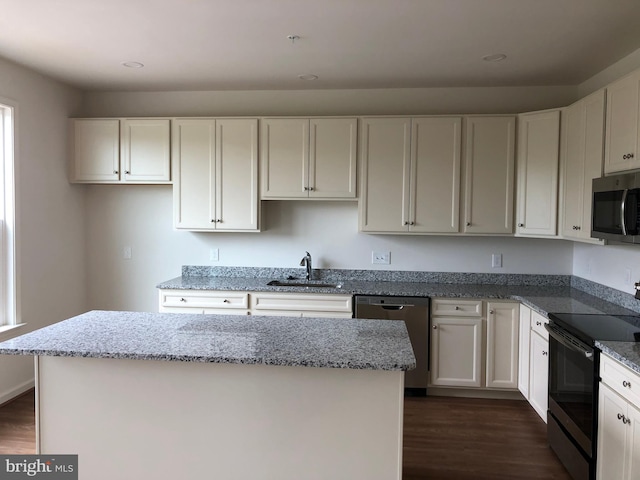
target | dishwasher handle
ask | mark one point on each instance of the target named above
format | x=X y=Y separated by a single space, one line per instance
x=388 y=306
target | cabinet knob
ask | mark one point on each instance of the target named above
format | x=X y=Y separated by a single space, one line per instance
x=183 y=299
x=468 y=224
x=311 y=189
x=213 y=221
x=225 y=301
x=626 y=384
x=521 y=225
x=405 y=223
x=306 y=189
x=115 y=172
x=492 y=312
x=578 y=228
x=412 y=223
x=127 y=172
x=544 y=354
x=457 y=307
x=435 y=327
x=219 y=220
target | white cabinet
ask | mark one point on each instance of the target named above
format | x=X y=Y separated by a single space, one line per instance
x=215 y=166
x=538 y=160
x=488 y=175
x=502 y=345
x=533 y=368
x=623 y=126
x=120 y=151
x=581 y=161
x=618 y=422
x=256 y=303
x=410 y=175
x=308 y=158
x=524 y=350
x=459 y=357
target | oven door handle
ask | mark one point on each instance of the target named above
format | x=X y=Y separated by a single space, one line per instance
x=569 y=341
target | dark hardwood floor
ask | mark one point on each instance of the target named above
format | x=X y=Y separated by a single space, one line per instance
x=18 y=425
x=444 y=439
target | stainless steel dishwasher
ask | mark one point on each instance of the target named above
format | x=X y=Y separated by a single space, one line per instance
x=414 y=311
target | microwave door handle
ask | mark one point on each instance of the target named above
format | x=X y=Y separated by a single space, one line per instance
x=623 y=206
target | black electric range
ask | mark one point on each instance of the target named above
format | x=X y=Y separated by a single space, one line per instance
x=574 y=376
x=591 y=327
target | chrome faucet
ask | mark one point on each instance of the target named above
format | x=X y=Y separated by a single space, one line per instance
x=306 y=262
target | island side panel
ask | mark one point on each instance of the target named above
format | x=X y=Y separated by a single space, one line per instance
x=165 y=420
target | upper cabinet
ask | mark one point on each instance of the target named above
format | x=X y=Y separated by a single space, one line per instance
x=308 y=158
x=538 y=160
x=120 y=151
x=215 y=164
x=581 y=161
x=410 y=175
x=623 y=108
x=488 y=174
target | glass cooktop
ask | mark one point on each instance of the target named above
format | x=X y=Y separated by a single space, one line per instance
x=592 y=327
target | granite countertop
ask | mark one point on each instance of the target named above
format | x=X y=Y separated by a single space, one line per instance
x=285 y=341
x=543 y=293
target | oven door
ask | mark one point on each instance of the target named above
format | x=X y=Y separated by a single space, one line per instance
x=573 y=387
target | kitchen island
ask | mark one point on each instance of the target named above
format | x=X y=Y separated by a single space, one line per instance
x=165 y=396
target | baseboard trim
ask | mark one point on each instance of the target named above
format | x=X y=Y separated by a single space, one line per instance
x=474 y=393
x=16 y=392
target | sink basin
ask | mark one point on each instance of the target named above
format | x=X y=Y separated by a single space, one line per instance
x=301 y=283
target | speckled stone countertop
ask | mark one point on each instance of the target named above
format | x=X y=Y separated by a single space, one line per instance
x=543 y=293
x=285 y=341
x=627 y=353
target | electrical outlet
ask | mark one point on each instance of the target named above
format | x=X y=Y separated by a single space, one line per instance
x=126 y=253
x=214 y=254
x=382 y=258
x=496 y=260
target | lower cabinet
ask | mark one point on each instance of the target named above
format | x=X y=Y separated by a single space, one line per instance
x=474 y=344
x=533 y=376
x=256 y=303
x=618 y=422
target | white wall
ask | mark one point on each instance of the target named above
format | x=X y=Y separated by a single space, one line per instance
x=140 y=217
x=50 y=211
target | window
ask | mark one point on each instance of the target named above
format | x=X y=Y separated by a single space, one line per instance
x=8 y=313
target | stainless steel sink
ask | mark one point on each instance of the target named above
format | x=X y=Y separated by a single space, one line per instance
x=302 y=283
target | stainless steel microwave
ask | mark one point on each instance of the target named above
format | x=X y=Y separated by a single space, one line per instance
x=615 y=212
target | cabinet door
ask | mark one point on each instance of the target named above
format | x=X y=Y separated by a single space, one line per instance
x=622 y=124
x=502 y=345
x=95 y=150
x=332 y=157
x=435 y=175
x=488 y=174
x=456 y=351
x=612 y=435
x=538 y=150
x=236 y=185
x=385 y=150
x=539 y=375
x=581 y=162
x=194 y=174
x=633 y=440
x=285 y=158
x=145 y=151
x=524 y=348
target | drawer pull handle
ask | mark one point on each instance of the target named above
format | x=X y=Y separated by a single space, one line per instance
x=544 y=354
x=625 y=420
x=539 y=324
x=226 y=301
x=626 y=384
x=457 y=307
x=183 y=299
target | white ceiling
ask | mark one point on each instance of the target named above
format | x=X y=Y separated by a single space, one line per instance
x=242 y=44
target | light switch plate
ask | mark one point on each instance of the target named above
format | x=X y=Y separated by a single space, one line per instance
x=214 y=254
x=496 y=260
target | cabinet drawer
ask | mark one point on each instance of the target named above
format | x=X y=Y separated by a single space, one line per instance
x=456 y=307
x=301 y=303
x=621 y=379
x=204 y=299
x=537 y=324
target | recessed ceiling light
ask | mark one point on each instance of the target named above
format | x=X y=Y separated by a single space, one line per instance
x=293 y=38
x=496 y=57
x=308 y=76
x=132 y=64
